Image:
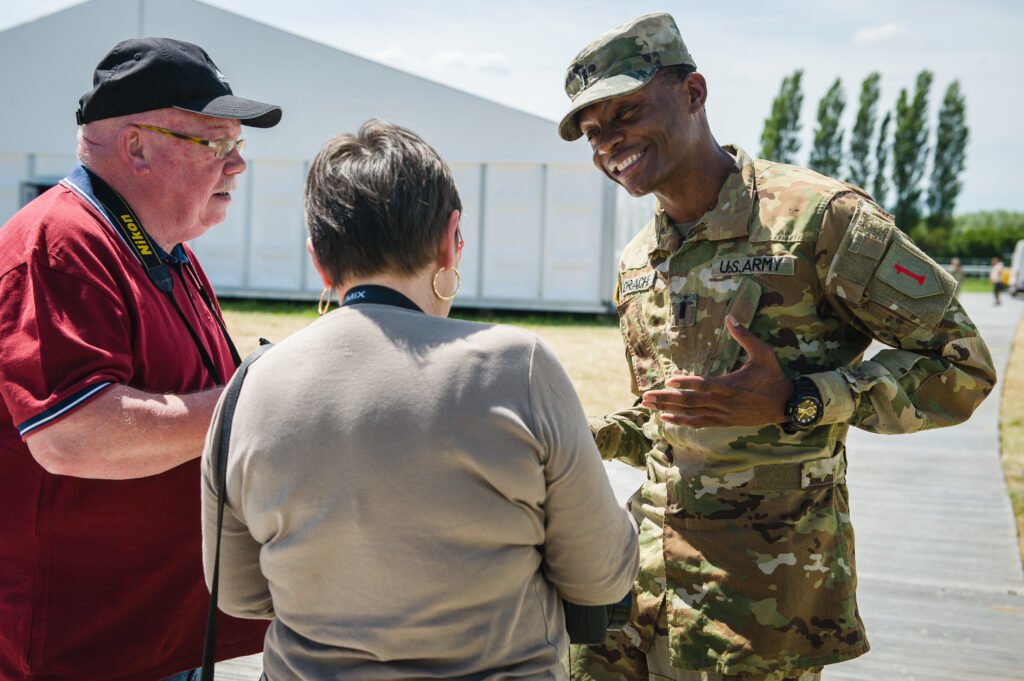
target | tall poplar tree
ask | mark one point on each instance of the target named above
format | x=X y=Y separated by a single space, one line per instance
x=950 y=156
x=779 y=141
x=859 y=172
x=827 y=153
x=910 y=152
x=881 y=186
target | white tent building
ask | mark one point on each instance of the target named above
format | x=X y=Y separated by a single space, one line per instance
x=543 y=228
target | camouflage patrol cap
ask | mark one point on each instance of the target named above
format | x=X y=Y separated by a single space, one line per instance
x=621 y=61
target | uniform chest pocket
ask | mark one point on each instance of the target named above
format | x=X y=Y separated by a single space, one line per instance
x=701 y=345
x=668 y=332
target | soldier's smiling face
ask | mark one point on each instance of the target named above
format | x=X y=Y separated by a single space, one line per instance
x=644 y=140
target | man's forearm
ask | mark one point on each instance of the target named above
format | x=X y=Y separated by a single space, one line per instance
x=126 y=433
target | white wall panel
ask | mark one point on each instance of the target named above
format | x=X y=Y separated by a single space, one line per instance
x=12 y=174
x=17 y=170
x=572 y=234
x=467 y=179
x=512 y=231
x=277 y=239
x=631 y=214
x=313 y=282
x=222 y=250
x=51 y=167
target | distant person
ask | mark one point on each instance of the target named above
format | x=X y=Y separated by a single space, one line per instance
x=997 y=274
x=408 y=496
x=957 y=271
x=112 y=355
x=746 y=305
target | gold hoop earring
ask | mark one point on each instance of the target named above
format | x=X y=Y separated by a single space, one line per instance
x=458 y=283
x=323 y=307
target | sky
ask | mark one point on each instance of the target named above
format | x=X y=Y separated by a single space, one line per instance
x=516 y=52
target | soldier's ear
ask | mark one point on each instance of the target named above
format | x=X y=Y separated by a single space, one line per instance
x=696 y=90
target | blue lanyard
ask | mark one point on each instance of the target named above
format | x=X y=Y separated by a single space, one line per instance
x=378 y=295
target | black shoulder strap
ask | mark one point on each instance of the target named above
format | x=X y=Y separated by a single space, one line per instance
x=220 y=467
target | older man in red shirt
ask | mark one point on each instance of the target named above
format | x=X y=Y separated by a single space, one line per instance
x=113 y=352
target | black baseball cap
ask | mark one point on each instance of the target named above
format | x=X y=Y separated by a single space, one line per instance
x=143 y=74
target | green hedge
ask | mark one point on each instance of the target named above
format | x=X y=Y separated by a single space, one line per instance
x=973 y=235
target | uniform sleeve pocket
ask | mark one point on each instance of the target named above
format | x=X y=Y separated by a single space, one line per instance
x=888 y=281
x=858 y=255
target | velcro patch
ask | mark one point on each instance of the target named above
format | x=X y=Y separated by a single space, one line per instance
x=760 y=264
x=637 y=284
x=908 y=273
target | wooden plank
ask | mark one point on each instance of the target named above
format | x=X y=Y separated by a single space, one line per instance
x=240 y=669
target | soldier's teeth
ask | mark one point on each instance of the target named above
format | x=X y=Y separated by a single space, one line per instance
x=622 y=165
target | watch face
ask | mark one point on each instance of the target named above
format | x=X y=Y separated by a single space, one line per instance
x=806 y=411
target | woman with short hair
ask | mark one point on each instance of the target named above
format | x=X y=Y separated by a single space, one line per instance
x=409 y=496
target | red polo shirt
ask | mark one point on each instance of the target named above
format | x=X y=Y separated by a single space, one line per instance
x=99 y=580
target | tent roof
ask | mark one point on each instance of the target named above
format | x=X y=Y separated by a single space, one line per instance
x=322 y=90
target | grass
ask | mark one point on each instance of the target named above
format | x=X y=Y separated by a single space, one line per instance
x=1011 y=428
x=589 y=347
x=249 y=320
x=976 y=285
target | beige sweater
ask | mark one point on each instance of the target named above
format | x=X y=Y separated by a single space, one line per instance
x=408 y=497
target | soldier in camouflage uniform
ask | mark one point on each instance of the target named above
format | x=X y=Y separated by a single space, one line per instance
x=746 y=305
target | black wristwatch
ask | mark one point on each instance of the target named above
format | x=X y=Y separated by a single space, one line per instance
x=804 y=408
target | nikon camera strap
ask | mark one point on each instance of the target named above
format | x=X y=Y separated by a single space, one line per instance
x=130 y=228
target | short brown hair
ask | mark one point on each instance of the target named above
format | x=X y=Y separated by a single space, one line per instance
x=378 y=201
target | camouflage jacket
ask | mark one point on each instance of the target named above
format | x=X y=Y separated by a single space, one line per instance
x=746 y=545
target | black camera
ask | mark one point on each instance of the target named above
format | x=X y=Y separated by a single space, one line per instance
x=588 y=624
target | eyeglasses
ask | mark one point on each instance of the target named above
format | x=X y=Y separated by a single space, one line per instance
x=220 y=148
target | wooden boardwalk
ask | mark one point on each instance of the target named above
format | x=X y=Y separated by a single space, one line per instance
x=941 y=587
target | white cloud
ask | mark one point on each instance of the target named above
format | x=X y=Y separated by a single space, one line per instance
x=879 y=34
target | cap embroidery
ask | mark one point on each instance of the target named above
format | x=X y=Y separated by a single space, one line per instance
x=578 y=72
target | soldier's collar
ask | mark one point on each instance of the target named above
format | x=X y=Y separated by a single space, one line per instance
x=665 y=237
x=729 y=219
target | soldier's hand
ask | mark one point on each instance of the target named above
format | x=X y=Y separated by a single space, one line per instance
x=753 y=395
